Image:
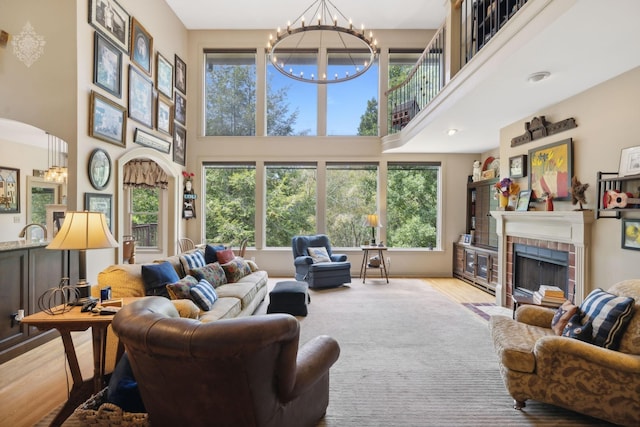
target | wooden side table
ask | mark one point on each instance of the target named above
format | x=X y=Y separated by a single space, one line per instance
x=73 y=321
x=365 y=262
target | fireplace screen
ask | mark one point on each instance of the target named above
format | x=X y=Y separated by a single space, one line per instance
x=534 y=266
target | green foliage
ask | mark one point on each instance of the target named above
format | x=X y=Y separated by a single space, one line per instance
x=369 y=120
x=291 y=204
x=230 y=204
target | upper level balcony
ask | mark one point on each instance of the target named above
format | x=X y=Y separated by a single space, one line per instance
x=478 y=68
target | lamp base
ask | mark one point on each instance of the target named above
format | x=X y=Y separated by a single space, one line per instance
x=82 y=293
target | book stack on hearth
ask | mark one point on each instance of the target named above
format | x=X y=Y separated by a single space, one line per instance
x=549 y=294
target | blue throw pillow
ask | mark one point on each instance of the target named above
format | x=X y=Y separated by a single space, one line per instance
x=210 y=253
x=192 y=260
x=123 y=388
x=575 y=329
x=156 y=277
x=609 y=316
x=204 y=295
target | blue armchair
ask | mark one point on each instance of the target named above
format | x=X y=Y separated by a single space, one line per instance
x=327 y=274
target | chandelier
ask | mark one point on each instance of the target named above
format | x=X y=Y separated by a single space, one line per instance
x=57 y=159
x=327 y=29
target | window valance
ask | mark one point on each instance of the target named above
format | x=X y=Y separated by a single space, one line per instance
x=144 y=174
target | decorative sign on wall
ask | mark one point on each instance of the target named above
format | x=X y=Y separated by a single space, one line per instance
x=28 y=46
x=189 y=197
x=538 y=128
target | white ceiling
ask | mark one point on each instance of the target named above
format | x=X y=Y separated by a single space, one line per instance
x=580 y=42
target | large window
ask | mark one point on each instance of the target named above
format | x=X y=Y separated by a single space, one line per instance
x=144 y=214
x=352 y=106
x=291 y=202
x=230 y=93
x=351 y=196
x=413 y=205
x=292 y=106
x=230 y=203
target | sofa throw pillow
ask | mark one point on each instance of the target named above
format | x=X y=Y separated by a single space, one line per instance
x=609 y=316
x=575 y=329
x=562 y=316
x=252 y=265
x=210 y=253
x=236 y=269
x=123 y=387
x=225 y=256
x=318 y=254
x=212 y=273
x=156 y=277
x=181 y=288
x=192 y=260
x=204 y=295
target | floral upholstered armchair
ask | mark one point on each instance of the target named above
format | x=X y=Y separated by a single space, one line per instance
x=586 y=377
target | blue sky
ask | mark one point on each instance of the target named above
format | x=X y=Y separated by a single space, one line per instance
x=347 y=101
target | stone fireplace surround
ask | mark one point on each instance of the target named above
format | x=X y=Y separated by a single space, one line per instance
x=561 y=230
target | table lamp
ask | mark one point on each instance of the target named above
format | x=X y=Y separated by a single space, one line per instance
x=372 y=221
x=81 y=231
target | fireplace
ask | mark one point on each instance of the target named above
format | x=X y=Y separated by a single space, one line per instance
x=545 y=235
x=535 y=265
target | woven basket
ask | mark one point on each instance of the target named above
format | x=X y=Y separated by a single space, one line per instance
x=96 y=411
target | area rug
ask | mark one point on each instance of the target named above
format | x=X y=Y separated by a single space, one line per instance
x=412 y=357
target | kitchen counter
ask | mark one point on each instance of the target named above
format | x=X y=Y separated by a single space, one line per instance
x=21 y=244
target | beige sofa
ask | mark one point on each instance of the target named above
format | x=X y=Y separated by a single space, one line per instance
x=535 y=363
x=237 y=299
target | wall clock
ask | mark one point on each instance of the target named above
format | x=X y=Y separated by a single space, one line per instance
x=99 y=168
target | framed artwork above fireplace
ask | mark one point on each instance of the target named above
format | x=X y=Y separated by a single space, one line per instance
x=550 y=170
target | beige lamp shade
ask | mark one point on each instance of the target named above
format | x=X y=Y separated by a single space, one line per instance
x=83 y=230
x=372 y=220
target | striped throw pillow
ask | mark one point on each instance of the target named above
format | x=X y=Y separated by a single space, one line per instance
x=204 y=295
x=609 y=315
x=192 y=260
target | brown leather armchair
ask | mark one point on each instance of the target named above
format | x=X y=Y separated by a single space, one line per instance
x=237 y=372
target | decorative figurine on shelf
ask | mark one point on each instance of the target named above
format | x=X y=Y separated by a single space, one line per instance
x=548 y=199
x=477 y=171
x=578 y=191
x=189 y=197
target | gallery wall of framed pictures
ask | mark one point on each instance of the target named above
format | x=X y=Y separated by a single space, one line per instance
x=156 y=94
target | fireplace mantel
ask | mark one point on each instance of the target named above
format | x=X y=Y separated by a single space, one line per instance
x=573 y=227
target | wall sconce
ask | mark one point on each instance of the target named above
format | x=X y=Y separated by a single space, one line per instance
x=4 y=38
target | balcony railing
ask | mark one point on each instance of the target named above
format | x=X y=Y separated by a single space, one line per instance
x=422 y=84
x=145 y=235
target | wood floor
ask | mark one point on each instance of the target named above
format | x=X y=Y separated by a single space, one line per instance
x=35 y=383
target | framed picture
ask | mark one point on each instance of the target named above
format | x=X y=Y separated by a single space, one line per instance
x=523 y=200
x=550 y=170
x=107 y=120
x=110 y=19
x=99 y=168
x=141 y=46
x=9 y=190
x=631 y=234
x=148 y=140
x=181 y=75
x=518 y=166
x=107 y=66
x=179 y=145
x=164 y=115
x=629 y=161
x=164 y=76
x=140 y=98
x=98 y=202
x=180 y=109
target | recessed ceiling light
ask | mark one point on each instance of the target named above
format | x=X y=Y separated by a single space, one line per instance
x=451 y=132
x=536 y=77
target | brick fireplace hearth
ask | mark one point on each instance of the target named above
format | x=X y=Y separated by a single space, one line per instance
x=568 y=231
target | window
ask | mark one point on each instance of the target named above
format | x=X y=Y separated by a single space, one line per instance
x=144 y=213
x=230 y=93
x=413 y=205
x=292 y=106
x=291 y=202
x=352 y=106
x=230 y=202
x=351 y=196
